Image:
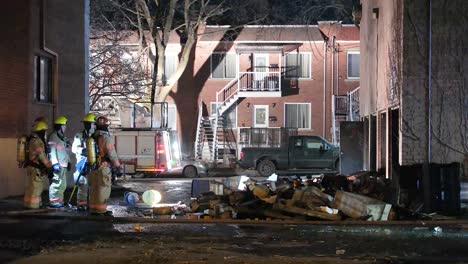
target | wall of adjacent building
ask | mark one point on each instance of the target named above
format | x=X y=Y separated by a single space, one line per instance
x=395 y=74
x=447 y=112
x=377 y=47
x=20 y=27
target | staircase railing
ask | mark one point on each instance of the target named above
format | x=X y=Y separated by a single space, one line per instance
x=197 y=137
x=226 y=93
x=222 y=97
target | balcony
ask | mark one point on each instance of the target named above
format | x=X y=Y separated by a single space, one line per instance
x=341 y=104
x=264 y=82
x=264 y=137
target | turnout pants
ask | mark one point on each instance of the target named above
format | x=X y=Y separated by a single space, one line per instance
x=57 y=186
x=82 y=194
x=100 y=182
x=35 y=185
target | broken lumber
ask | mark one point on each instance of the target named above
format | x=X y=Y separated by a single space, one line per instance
x=302 y=211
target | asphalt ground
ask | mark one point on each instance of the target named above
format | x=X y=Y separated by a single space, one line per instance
x=136 y=236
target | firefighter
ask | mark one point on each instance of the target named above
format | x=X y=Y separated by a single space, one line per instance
x=79 y=149
x=100 y=178
x=59 y=146
x=38 y=165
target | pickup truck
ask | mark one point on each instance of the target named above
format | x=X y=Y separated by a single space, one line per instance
x=301 y=152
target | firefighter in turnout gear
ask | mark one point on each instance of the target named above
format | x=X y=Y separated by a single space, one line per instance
x=59 y=147
x=37 y=165
x=82 y=167
x=100 y=178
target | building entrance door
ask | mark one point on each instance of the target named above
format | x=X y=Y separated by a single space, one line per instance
x=260 y=69
x=260 y=118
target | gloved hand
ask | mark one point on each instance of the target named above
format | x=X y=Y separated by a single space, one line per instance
x=56 y=168
x=84 y=153
x=118 y=171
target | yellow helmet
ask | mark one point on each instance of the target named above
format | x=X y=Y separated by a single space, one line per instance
x=90 y=118
x=41 y=118
x=39 y=126
x=61 y=120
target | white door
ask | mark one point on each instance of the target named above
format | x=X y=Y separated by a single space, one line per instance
x=260 y=70
x=260 y=117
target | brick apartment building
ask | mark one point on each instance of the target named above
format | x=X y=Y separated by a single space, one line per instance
x=43 y=71
x=413 y=97
x=263 y=78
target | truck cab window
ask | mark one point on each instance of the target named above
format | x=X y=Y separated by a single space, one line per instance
x=313 y=143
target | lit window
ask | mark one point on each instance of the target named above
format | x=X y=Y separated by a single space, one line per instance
x=223 y=65
x=297 y=65
x=353 y=65
x=43 y=79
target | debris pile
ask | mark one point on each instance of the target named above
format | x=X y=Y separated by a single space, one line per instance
x=327 y=197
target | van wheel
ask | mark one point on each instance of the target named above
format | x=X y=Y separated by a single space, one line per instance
x=266 y=168
x=190 y=171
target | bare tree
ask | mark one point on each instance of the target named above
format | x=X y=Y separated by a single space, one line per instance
x=115 y=71
x=163 y=19
x=157 y=21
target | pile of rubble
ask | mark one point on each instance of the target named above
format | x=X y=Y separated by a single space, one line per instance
x=328 y=197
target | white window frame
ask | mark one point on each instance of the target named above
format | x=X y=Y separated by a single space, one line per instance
x=43 y=81
x=347 y=64
x=310 y=114
x=254 y=118
x=235 y=111
x=310 y=68
x=211 y=65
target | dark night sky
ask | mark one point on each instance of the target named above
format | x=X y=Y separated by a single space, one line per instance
x=264 y=12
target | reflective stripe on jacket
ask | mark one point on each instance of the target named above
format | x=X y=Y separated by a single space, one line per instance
x=58 y=150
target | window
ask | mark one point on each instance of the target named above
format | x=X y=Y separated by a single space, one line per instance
x=43 y=79
x=171 y=117
x=230 y=115
x=170 y=66
x=353 y=65
x=313 y=143
x=223 y=65
x=297 y=115
x=297 y=65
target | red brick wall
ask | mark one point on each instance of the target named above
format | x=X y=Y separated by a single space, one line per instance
x=20 y=28
x=14 y=65
x=197 y=84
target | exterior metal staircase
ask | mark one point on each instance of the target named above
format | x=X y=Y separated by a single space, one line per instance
x=211 y=129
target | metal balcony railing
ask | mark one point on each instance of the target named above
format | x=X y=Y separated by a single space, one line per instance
x=341 y=104
x=264 y=137
x=262 y=79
